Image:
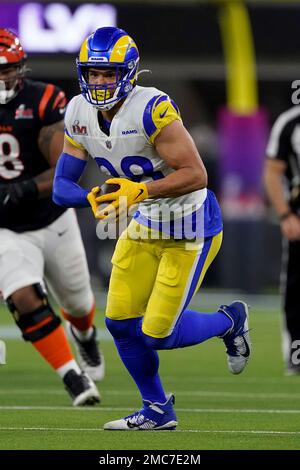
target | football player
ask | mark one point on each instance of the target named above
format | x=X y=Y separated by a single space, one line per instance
x=41 y=248
x=136 y=135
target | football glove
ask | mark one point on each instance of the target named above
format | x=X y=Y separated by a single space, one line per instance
x=131 y=193
x=15 y=193
x=91 y=197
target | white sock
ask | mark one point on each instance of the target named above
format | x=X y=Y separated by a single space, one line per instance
x=71 y=365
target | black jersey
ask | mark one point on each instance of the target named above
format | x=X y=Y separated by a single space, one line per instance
x=21 y=119
x=284 y=144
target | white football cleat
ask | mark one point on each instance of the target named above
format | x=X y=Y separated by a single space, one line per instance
x=237 y=339
x=152 y=417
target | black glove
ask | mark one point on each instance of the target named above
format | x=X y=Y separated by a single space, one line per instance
x=15 y=193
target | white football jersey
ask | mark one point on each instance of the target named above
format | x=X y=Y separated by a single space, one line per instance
x=128 y=150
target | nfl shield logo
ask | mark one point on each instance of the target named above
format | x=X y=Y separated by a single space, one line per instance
x=108 y=144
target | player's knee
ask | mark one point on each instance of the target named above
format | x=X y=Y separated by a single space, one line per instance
x=37 y=323
x=157 y=343
x=153 y=343
x=26 y=299
x=78 y=304
x=123 y=328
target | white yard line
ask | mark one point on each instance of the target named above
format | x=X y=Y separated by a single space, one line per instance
x=179 y=410
x=201 y=431
x=185 y=393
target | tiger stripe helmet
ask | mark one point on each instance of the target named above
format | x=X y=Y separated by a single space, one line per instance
x=12 y=55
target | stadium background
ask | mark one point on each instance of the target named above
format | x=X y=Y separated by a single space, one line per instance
x=181 y=42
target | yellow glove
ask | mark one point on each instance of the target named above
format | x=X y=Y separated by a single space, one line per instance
x=91 y=197
x=130 y=192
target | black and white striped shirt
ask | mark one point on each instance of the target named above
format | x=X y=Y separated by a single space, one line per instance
x=284 y=144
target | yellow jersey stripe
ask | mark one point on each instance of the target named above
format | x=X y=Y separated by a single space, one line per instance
x=73 y=142
x=162 y=115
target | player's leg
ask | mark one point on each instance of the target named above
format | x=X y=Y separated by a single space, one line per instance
x=181 y=271
x=135 y=266
x=21 y=268
x=168 y=324
x=67 y=276
x=290 y=285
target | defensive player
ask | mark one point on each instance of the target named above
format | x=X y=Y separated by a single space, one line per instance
x=40 y=243
x=136 y=135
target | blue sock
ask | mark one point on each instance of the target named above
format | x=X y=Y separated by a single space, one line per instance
x=141 y=362
x=192 y=328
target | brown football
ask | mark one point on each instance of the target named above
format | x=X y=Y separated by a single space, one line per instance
x=109 y=188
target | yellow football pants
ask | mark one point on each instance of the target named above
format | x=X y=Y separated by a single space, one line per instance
x=156 y=278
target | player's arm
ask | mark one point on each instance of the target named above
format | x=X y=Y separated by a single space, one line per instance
x=177 y=148
x=70 y=166
x=273 y=178
x=50 y=143
x=164 y=130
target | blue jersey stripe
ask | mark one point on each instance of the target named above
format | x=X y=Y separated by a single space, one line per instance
x=202 y=223
x=148 y=123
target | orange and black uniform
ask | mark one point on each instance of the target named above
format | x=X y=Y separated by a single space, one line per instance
x=21 y=119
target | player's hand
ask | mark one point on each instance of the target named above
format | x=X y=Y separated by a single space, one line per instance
x=91 y=197
x=130 y=193
x=290 y=227
x=15 y=193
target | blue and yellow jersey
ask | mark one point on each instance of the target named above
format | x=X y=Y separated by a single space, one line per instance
x=159 y=112
x=129 y=151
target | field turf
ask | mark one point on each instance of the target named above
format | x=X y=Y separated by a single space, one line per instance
x=259 y=409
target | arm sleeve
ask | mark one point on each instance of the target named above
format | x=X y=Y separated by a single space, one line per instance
x=66 y=191
x=159 y=112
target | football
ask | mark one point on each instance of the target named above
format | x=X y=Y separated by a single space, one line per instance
x=109 y=188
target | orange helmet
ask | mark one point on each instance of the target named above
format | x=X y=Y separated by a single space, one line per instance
x=12 y=60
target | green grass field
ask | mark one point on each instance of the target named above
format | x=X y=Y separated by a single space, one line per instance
x=259 y=409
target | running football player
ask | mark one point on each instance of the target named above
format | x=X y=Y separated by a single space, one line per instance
x=136 y=135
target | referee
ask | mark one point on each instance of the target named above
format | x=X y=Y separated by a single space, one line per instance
x=282 y=182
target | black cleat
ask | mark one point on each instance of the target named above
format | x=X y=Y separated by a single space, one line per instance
x=90 y=357
x=81 y=388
